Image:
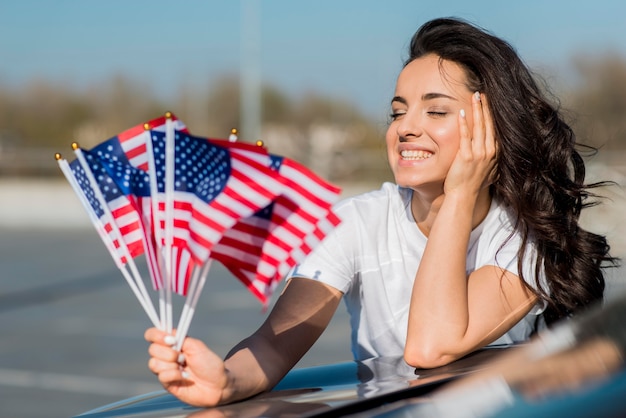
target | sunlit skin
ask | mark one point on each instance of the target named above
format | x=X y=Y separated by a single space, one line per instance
x=426 y=119
x=441 y=144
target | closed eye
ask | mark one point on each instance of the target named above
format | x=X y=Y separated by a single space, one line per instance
x=396 y=115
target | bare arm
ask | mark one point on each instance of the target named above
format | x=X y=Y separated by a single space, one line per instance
x=452 y=314
x=257 y=363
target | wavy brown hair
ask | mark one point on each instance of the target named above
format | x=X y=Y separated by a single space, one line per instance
x=540 y=172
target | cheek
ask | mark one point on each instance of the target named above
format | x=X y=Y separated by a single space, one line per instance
x=447 y=136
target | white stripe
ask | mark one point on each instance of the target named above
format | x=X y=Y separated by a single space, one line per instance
x=264 y=178
x=250 y=194
x=139 y=160
x=136 y=141
x=259 y=157
x=265 y=269
x=236 y=253
x=74 y=384
x=285 y=236
x=309 y=184
x=244 y=237
x=135 y=236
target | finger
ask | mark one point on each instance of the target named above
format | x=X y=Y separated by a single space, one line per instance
x=490 y=135
x=465 y=141
x=478 y=134
x=163 y=352
x=155 y=335
x=158 y=366
x=173 y=376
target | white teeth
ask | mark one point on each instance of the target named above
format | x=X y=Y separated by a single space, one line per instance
x=415 y=155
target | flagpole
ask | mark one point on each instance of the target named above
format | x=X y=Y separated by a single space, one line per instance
x=189 y=309
x=106 y=239
x=169 y=214
x=156 y=221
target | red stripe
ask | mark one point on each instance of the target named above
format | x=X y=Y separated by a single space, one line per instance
x=200 y=217
x=241 y=245
x=130 y=133
x=234 y=263
x=134 y=152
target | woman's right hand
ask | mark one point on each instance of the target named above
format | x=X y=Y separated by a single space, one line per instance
x=195 y=375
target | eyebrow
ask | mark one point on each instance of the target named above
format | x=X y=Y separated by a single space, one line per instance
x=425 y=97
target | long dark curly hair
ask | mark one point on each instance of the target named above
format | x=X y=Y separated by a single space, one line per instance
x=540 y=172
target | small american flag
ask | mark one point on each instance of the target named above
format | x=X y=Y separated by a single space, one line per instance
x=213 y=189
x=261 y=249
x=133 y=140
x=121 y=211
x=258 y=214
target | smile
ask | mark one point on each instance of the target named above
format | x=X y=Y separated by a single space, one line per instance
x=415 y=155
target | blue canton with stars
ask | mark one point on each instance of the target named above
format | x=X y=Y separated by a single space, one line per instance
x=107 y=185
x=83 y=182
x=200 y=167
x=130 y=180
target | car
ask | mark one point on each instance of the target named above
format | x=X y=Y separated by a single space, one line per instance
x=328 y=390
x=575 y=369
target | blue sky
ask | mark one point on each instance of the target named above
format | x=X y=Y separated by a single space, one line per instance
x=351 y=49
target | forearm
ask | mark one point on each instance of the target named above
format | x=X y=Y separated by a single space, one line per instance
x=297 y=320
x=439 y=314
x=252 y=367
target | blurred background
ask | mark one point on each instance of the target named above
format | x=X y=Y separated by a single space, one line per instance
x=313 y=80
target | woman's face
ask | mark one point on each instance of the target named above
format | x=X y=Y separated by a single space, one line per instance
x=423 y=136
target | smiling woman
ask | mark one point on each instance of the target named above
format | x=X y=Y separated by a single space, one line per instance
x=476 y=244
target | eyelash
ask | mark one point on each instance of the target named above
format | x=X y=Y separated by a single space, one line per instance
x=396 y=115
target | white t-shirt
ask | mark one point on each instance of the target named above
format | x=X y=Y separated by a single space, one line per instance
x=373 y=256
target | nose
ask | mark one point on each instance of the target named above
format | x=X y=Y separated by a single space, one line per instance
x=408 y=128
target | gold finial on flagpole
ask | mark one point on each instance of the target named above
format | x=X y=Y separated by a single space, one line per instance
x=168 y=115
x=57 y=156
x=259 y=143
x=146 y=126
x=75 y=146
x=233 y=135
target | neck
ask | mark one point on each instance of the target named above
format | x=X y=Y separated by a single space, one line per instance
x=425 y=209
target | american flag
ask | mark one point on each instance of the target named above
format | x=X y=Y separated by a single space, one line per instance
x=120 y=213
x=261 y=249
x=133 y=140
x=133 y=183
x=305 y=200
x=258 y=214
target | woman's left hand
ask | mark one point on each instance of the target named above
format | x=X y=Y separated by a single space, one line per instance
x=475 y=160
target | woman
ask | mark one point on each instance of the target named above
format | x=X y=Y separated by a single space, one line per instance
x=476 y=242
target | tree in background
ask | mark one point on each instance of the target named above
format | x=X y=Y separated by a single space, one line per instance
x=327 y=134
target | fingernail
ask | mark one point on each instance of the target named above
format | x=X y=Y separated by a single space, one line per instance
x=185 y=374
x=169 y=340
x=181 y=358
x=477 y=96
x=462 y=112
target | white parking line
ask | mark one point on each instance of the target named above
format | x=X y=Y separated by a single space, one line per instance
x=74 y=384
